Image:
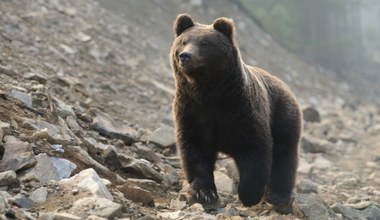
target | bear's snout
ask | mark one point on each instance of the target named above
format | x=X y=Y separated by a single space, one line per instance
x=185 y=57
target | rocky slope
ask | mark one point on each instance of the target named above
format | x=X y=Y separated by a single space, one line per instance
x=86 y=128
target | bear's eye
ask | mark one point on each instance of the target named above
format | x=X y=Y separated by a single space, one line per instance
x=184 y=43
x=204 y=43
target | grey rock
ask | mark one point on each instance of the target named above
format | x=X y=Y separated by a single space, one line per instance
x=163 y=136
x=25 y=98
x=7 y=70
x=17 y=156
x=63 y=109
x=147 y=153
x=73 y=123
x=53 y=133
x=8 y=178
x=347 y=212
x=81 y=156
x=171 y=178
x=139 y=168
x=4 y=130
x=315 y=145
x=64 y=167
x=36 y=76
x=310 y=206
x=223 y=182
x=45 y=169
x=39 y=195
x=4 y=197
x=24 y=202
x=111 y=158
x=96 y=206
x=89 y=181
x=311 y=114
x=322 y=163
x=307 y=186
x=371 y=213
x=106 y=126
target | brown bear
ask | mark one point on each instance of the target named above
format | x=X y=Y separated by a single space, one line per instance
x=223 y=105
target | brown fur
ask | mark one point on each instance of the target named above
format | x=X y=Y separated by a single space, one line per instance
x=224 y=105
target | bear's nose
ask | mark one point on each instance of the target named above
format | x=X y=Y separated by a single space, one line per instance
x=184 y=57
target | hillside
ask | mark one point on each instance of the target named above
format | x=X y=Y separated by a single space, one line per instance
x=84 y=86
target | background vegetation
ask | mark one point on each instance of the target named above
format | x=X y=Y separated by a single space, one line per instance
x=336 y=34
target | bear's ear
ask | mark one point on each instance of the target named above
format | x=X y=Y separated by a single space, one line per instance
x=183 y=22
x=226 y=26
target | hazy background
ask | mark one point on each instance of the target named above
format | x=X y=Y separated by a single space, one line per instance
x=338 y=38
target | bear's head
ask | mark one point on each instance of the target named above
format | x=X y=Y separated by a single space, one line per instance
x=203 y=50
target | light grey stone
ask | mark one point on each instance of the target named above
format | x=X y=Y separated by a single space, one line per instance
x=17 y=156
x=53 y=133
x=25 y=98
x=64 y=167
x=87 y=180
x=347 y=212
x=39 y=195
x=307 y=186
x=223 y=182
x=310 y=206
x=106 y=126
x=163 y=136
x=45 y=169
x=101 y=207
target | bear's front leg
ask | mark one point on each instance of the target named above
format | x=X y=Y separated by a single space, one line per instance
x=198 y=163
x=198 y=155
x=254 y=165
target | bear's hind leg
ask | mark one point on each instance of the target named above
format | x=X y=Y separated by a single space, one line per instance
x=254 y=169
x=284 y=169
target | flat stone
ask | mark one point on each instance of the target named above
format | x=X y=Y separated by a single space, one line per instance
x=64 y=167
x=25 y=98
x=39 y=195
x=223 y=182
x=371 y=213
x=87 y=180
x=17 y=156
x=81 y=156
x=45 y=169
x=163 y=136
x=106 y=126
x=36 y=76
x=147 y=153
x=63 y=109
x=24 y=202
x=310 y=206
x=8 y=178
x=96 y=206
x=347 y=212
x=53 y=133
x=139 y=168
x=137 y=194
